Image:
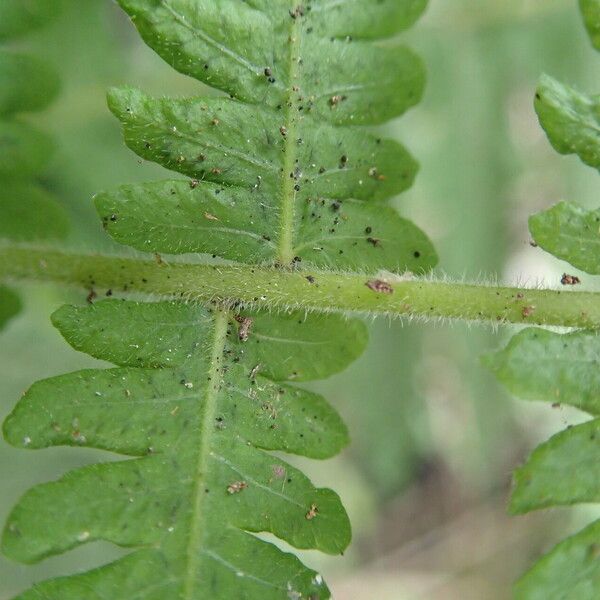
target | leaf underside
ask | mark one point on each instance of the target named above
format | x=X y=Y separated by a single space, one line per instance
x=196 y=408
x=281 y=169
x=562 y=368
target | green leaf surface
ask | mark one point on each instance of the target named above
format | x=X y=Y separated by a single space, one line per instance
x=229 y=143
x=571 y=571
x=235 y=223
x=571 y=233
x=26 y=83
x=20 y=16
x=198 y=413
x=28 y=212
x=360 y=19
x=563 y=471
x=570 y=119
x=297 y=347
x=24 y=151
x=228 y=45
x=591 y=16
x=10 y=305
x=557 y=368
x=298 y=180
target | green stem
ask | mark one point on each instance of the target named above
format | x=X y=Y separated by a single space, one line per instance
x=268 y=287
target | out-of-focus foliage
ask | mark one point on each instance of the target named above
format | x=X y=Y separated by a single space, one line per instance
x=18 y=17
x=591 y=17
x=562 y=368
x=27 y=211
x=10 y=305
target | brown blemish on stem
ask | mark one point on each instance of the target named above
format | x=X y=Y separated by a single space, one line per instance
x=379 y=286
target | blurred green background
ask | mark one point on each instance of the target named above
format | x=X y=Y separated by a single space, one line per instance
x=434 y=437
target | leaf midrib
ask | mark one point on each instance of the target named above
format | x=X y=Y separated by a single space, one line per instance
x=207 y=419
x=285 y=253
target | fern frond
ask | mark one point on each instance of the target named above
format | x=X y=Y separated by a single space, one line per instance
x=279 y=169
x=283 y=172
x=562 y=368
x=197 y=406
